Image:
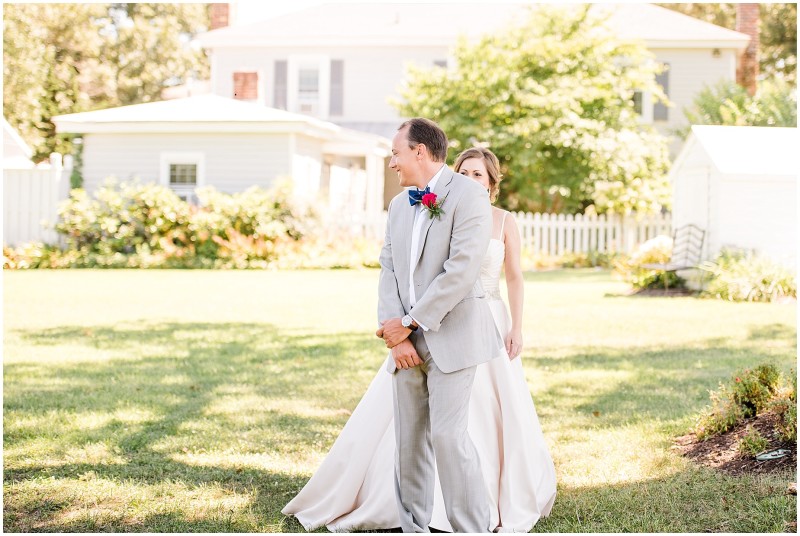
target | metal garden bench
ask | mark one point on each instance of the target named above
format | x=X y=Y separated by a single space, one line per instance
x=687 y=248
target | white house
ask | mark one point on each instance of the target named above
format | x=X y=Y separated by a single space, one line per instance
x=231 y=145
x=739 y=184
x=342 y=62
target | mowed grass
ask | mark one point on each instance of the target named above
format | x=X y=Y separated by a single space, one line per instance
x=201 y=401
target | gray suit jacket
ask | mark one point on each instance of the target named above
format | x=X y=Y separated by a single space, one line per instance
x=450 y=299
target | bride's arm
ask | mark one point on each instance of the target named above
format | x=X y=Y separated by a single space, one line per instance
x=515 y=284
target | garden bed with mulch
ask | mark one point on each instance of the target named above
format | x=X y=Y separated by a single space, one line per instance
x=721 y=451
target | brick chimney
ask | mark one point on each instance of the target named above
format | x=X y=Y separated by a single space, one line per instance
x=748 y=21
x=219 y=15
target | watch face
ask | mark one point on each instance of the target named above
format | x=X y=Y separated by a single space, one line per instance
x=406 y=321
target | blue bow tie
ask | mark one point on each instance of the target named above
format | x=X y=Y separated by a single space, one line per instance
x=415 y=196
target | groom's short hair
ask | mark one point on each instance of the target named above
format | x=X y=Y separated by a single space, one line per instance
x=428 y=133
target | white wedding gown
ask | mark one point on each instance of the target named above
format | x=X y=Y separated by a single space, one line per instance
x=354 y=486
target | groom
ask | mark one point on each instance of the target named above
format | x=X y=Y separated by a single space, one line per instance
x=434 y=317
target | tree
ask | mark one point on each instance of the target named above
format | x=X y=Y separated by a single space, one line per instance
x=64 y=58
x=778 y=38
x=151 y=49
x=46 y=51
x=773 y=105
x=553 y=98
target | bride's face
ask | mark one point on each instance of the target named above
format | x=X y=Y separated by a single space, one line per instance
x=474 y=168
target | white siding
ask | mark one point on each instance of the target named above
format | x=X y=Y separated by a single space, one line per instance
x=233 y=162
x=691 y=191
x=371 y=74
x=690 y=70
x=758 y=213
x=306 y=165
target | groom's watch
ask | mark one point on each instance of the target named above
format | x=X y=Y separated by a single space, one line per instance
x=408 y=323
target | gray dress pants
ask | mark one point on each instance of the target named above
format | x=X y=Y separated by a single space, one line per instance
x=431 y=410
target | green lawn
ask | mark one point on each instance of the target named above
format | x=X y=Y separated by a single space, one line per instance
x=188 y=401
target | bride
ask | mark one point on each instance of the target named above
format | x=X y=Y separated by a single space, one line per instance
x=354 y=486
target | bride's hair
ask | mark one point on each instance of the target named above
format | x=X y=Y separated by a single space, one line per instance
x=492 y=167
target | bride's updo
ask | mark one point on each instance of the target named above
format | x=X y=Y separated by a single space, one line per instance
x=492 y=167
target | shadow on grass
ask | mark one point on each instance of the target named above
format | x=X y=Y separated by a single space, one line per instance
x=773 y=332
x=269 y=492
x=175 y=375
x=694 y=500
x=179 y=373
x=651 y=384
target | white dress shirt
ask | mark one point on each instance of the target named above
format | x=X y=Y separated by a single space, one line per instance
x=419 y=219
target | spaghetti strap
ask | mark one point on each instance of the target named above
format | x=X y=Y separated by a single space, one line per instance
x=503 y=225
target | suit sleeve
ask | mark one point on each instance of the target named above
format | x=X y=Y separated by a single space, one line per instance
x=472 y=229
x=389 y=304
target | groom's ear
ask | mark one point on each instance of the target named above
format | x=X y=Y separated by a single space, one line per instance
x=421 y=151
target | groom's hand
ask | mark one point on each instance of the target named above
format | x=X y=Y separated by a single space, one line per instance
x=405 y=355
x=393 y=332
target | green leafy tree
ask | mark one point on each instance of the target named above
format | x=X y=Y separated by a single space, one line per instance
x=778 y=38
x=151 y=49
x=65 y=58
x=553 y=98
x=46 y=52
x=773 y=105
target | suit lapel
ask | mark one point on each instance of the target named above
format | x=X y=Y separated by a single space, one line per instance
x=407 y=226
x=441 y=190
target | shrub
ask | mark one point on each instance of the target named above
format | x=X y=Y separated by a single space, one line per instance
x=655 y=250
x=774 y=105
x=752 y=389
x=737 y=276
x=750 y=392
x=122 y=218
x=784 y=404
x=133 y=225
x=721 y=416
x=34 y=255
x=752 y=442
x=329 y=252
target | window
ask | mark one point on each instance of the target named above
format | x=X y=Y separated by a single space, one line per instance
x=183 y=172
x=637 y=102
x=308 y=90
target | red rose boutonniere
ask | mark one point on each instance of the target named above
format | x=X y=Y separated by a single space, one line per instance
x=434 y=206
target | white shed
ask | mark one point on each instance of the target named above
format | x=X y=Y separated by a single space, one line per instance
x=739 y=184
x=231 y=145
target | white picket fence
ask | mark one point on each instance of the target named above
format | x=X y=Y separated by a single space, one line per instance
x=30 y=202
x=556 y=234
x=550 y=234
